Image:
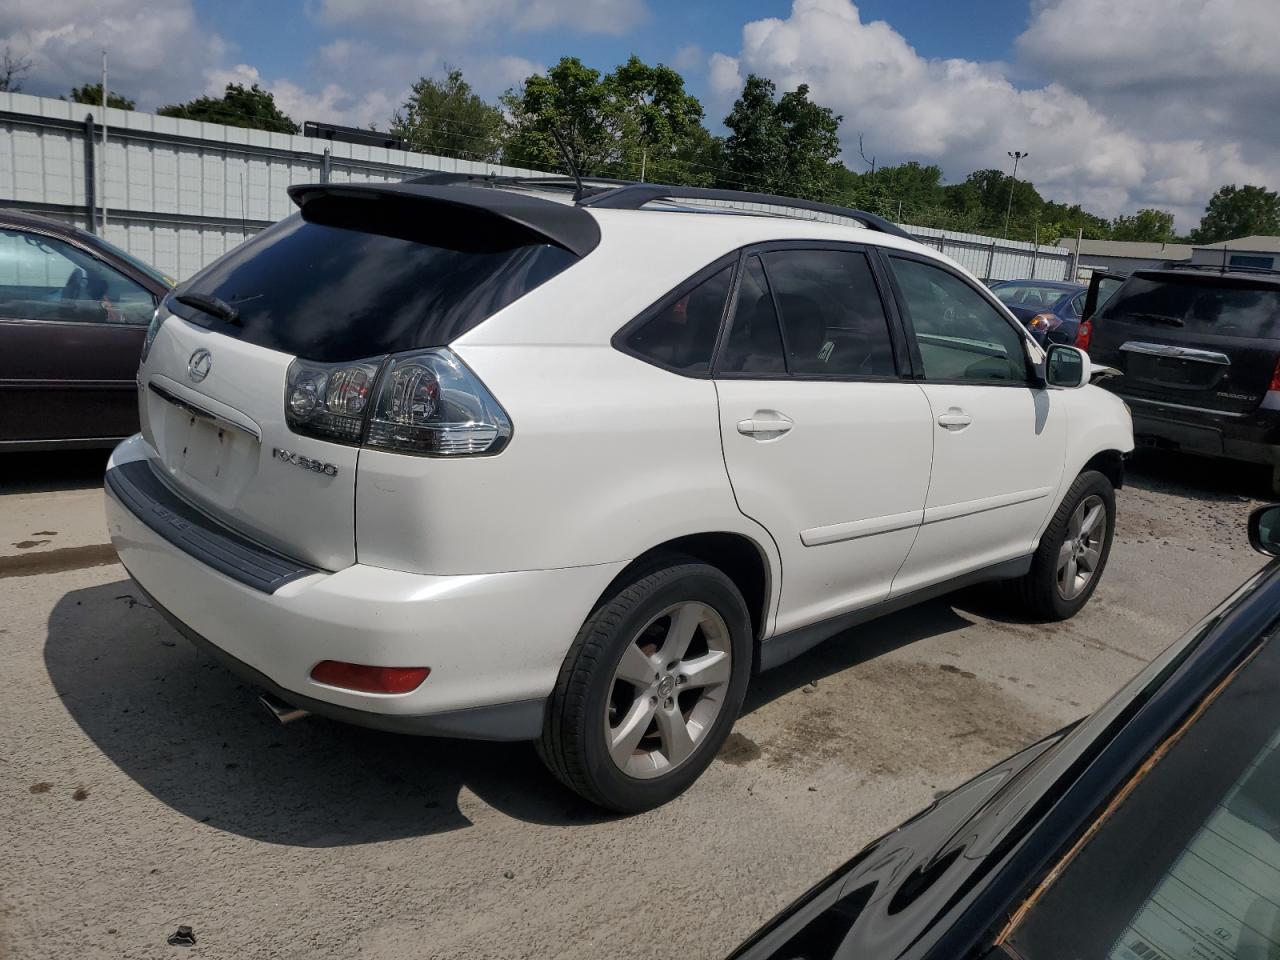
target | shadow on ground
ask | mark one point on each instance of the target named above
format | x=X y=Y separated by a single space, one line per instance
x=47 y=471
x=194 y=736
x=1198 y=478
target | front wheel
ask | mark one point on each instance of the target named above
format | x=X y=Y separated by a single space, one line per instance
x=1073 y=552
x=650 y=688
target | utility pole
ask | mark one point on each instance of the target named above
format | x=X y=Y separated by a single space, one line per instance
x=1016 y=155
x=103 y=164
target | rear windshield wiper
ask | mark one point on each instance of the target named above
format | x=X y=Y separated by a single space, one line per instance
x=214 y=306
x=1160 y=318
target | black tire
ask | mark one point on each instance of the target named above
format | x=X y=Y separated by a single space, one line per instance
x=1037 y=593
x=573 y=743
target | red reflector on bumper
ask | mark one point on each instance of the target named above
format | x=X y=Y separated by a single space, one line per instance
x=356 y=676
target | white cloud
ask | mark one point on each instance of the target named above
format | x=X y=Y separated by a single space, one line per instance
x=689 y=57
x=333 y=103
x=1084 y=148
x=725 y=75
x=479 y=17
x=157 y=50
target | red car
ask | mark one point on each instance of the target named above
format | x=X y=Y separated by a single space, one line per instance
x=73 y=312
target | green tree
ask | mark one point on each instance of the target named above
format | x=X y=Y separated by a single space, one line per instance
x=1148 y=225
x=636 y=119
x=446 y=117
x=1239 y=212
x=908 y=191
x=787 y=146
x=91 y=93
x=239 y=106
x=561 y=120
x=656 y=118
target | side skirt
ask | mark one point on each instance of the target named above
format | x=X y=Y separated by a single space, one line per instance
x=778 y=649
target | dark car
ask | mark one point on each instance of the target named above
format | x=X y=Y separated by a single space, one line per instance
x=1050 y=309
x=1197 y=350
x=73 y=313
x=1147 y=831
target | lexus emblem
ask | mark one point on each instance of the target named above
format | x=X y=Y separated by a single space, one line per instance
x=199 y=365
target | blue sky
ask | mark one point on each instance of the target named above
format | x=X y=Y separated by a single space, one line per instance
x=1122 y=105
x=281 y=34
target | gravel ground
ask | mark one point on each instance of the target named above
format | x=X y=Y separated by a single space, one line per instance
x=141 y=787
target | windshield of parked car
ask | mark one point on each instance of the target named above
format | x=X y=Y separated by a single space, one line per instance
x=352 y=279
x=1186 y=866
x=1228 y=306
x=1030 y=295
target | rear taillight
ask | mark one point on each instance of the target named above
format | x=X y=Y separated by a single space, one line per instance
x=1275 y=378
x=430 y=403
x=1043 y=323
x=367 y=679
x=1084 y=335
x=329 y=400
x=153 y=328
x=427 y=403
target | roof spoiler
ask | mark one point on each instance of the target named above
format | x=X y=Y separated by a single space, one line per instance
x=561 y=224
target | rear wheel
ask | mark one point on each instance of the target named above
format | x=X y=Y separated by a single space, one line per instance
x=650 y=688
x=1073 y=552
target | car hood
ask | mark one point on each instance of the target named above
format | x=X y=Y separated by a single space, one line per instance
x=882 y=902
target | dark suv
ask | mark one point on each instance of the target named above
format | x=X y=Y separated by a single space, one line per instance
x=1198 y=353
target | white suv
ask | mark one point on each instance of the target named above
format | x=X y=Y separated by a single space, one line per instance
x=475 y=461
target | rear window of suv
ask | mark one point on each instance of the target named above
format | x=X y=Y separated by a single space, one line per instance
x=354 y=279
x=1227 y=306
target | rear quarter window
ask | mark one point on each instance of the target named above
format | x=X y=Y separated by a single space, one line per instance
x=680 y=333
x=354 y=278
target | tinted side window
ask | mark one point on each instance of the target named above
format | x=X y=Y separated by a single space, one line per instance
x=833 y=321
x=42 y=278
x=754 y=344
x=960 y=334
x=682 y=333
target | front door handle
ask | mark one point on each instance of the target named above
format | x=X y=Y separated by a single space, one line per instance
x=765 y=425
x=954 y=419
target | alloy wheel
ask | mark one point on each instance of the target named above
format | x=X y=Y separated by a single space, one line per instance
x=1081 y=551
x=668 y=689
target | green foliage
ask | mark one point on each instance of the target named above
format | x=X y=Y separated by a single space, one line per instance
x=637 y=119
x=446 y=117
x=656 y=117
x=1239 y=212
x=787 y=146
x=91 y=94
x=1148 y=225
x=239 y=106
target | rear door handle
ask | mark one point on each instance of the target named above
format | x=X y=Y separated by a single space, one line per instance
x=954 y=419
x=765 y=424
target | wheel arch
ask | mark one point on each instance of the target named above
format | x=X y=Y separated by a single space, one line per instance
x=744 y=560
x=1109 y=463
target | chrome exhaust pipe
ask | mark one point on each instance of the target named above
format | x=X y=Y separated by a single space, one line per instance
x=284 y=712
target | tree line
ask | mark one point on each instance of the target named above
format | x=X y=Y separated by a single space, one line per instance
x=638 y=122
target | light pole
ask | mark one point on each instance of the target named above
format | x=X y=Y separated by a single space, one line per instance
x=1016 y=155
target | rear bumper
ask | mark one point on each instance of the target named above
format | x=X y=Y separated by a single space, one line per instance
x=494 y=642
x=1254 y=438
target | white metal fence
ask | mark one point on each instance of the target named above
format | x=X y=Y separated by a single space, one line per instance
x=180 y=193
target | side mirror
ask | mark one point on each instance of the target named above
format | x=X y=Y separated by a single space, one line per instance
x=1264 y=530
x=1066 y=366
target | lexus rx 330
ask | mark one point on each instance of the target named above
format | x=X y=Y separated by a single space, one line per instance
x=471 y=460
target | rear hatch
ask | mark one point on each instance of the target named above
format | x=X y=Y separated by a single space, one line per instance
x=361 y=274
x=1191 y=338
